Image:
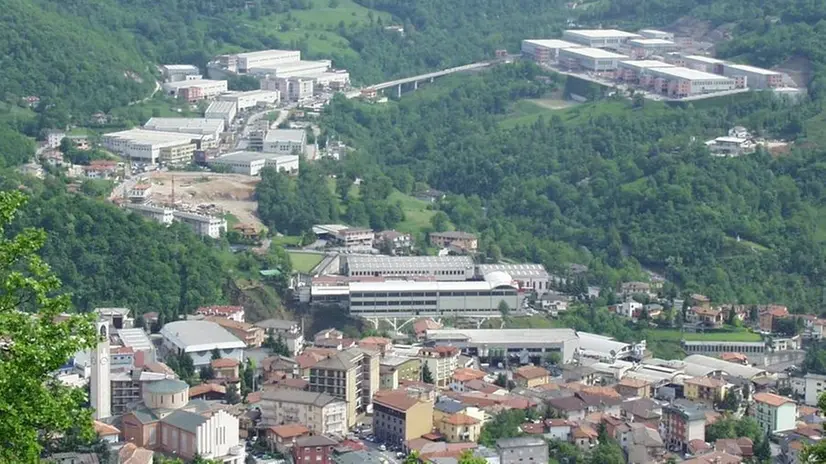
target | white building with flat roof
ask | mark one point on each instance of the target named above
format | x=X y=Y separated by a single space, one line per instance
x=591 y=59
x=680 y=82
x=179 y=72
x=756 y=78
x=251 y=163
x=514 y=342
x=198 y=126
x=333 y=79
x=252 y=98
x=151 y=146
x=545 y=50
x=285 y=141
x=530 y=277
x=406 y=298
x=445 y=268
x=156 y=213
x=656 y=34
x=701 y=63
x=292 y=69
x=265 y=58
x=208 y=88
x=643 y=48
x=224 y=110
x=633 y=70
x=599 y=38
x=290 y=88
x=199 y=338
x=201 y=224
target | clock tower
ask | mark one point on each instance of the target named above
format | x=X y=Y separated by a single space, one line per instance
x=100 y=386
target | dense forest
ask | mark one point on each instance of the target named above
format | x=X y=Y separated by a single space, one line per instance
x=611 y=185
x=106 y=256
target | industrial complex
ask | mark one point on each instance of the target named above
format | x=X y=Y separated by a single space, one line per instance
x=649 y=60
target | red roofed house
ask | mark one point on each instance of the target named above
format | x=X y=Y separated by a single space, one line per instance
x=421 y=326
x=381 y=344
x=282 y=437
x=460 y=427
x=107 y=433
x=770 y=315
x=738 y=358
x=316 y=449
x=208 y=391
x=531 y=376
x=634 y=388
x=235 y=313
x=225 y=368
x=462 y=376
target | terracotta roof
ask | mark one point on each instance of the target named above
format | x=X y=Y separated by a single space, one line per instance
x=103 y=429
x=121 y=350
x=423 y=325
x=298 y=384
x=772 y=399
x=709 y=382
x=460 y=419
x=633 y=383
x=224 y=363
x=602 y=391
x=225 y=310
x=375 y=341
x=557 y=423
x=777 y=311
x=204 y=388
x=254 y=397
x=716 y=457
x=532 y=429
x=132 y=454
x=464 y=374
x=232 y=324
x=730 y=356
x=289 y=430
x=698 y=446
x=584 y=431
x=482 y=386
x=803 y=410
x=442 y=350
x=706 y=311
x=396 y=399
x=531 y=372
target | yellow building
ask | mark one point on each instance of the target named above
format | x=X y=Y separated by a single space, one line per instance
x=531 y=376
x=460 y=428
x=705 y=389
x=399 y=417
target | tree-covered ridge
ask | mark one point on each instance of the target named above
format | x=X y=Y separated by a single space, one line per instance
x=610 y=185
x=108 y=257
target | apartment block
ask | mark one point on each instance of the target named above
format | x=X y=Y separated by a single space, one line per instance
x=774 y=413
x=399 y=417
x=441 y=361
x=320 y=412
x=351 y=375
x=251 y=335
x=707 y=389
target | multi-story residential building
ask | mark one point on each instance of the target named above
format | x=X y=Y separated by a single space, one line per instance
x=462 y=376
x=393 y=369
x=352 y=375
x=397 y=243
x=225 y=369
x=531 y=376
x=323 y=414
x=316 y=449
x=774 y=413
x=522 y=450
x=682 y=423
x=251 y=335
x=462 y=240
x=289 y=331
x=127 y=387
x=281 y=437
x=201 y=224
x=815 y=385
x=770 y=315
x=399 y=417
x=630 y=387
x=441 y=361
x=707 y=389
x=460 y=427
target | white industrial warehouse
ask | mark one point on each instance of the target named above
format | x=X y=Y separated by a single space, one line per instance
x=251 y=163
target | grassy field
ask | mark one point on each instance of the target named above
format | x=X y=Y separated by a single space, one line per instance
x=304 y=262
x=526 y=112
x=739 y=335
x=416 y=215
x=317 y=26
x=286 y=240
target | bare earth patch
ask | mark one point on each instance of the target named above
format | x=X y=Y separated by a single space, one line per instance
x=230 y=193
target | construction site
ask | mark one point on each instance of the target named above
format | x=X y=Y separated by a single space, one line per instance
x=207 y=193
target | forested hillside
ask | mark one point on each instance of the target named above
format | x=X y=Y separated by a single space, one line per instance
x=610 y=185
x=107 y=257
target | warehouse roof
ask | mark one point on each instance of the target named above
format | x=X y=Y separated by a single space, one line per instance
x=151 y=136
x=415 y=285
x=601 y=344
x=552 y=43
x=595 y=53
x=241 y=157
x=753 y=69
x=196 y=125
x=285 y=135
x=516 y=271
x=651 y=42
x=261 y=53
x=688 y=74
x=191 y=83
x=234 y=94
x=200 y=336
x=600 y=33
x=179 y=67
x=403 y=263
x=645 y=64
x=505 y=336
x=737 y=370
x=135 y=338
x=704 y=59
x=221 y=106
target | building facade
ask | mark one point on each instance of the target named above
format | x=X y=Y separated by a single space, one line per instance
x=323 y=414
x=522 y=450
x=774 y=413
x=398 y=417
